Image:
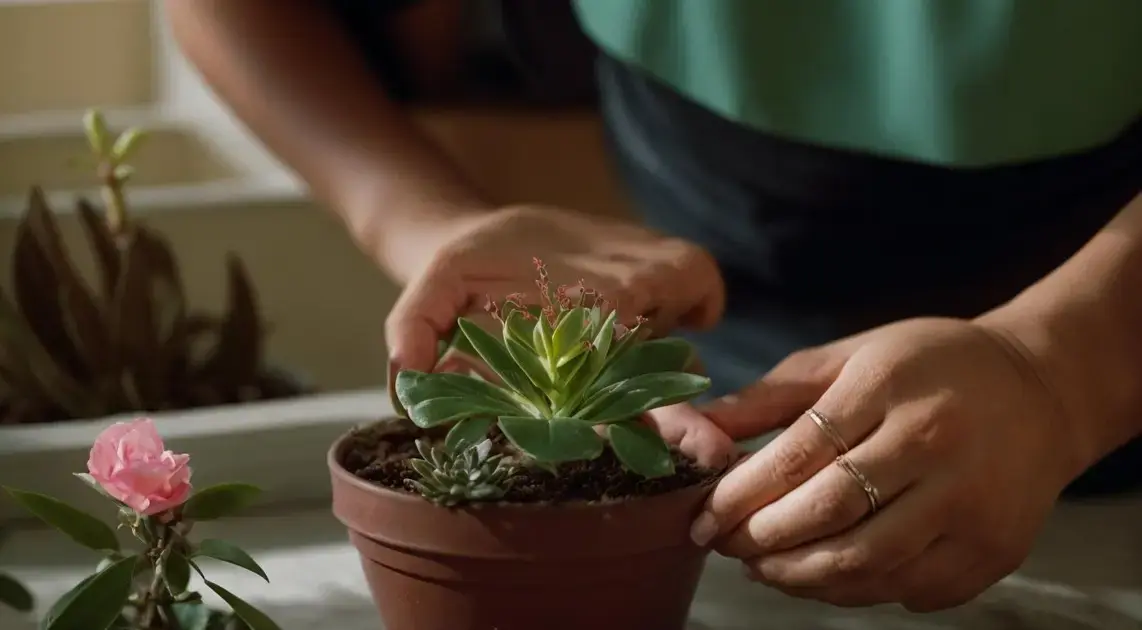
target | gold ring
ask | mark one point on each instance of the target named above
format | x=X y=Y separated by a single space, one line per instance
x=827 y=427
x=866 y=485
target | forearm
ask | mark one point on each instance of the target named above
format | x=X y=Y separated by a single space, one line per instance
x=1082 y=325
x=290 y=74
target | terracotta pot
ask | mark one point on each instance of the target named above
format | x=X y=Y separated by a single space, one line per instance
x=626 y=565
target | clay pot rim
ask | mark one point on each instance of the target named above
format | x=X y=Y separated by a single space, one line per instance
x=336 y=469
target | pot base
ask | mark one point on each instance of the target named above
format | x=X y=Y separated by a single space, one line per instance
x=648 y=592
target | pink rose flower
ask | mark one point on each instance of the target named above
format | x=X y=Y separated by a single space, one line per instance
x=131 y=464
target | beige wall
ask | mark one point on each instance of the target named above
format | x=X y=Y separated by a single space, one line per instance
x=72 y=55
x=325 y=299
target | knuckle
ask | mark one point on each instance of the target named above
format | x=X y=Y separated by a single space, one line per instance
x=838 y=507
x=792 y=464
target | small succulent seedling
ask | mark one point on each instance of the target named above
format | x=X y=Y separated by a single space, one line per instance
x=567 y=367
x=450 y=476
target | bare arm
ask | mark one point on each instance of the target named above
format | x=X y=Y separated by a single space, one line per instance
x=290 y=74
x=1082 y=324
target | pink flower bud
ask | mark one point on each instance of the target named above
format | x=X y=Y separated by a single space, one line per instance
x=132 y=465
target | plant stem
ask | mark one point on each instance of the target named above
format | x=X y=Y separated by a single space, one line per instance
x=114 y=200
x=155 y=594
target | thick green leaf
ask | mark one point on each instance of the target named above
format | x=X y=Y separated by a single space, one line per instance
x=15 y=595
x=415 y=387
x=649 y=357
x=602 y=342
x=220 y=500
x=493 y=352
x=96 y=602
x=530 y=363
x=468 y=432
x=553 y=440
x=635 y=396
x=641 y=449
x=394 y=400
x=230 y=553
x=256 y=619
x=456 y=343
x=541 y=337
x=437 y=411
x=191 y=615
x=568 y=336
x=519 y=328
x=82 y=527
x=176 y=573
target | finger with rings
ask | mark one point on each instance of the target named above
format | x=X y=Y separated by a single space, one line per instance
x=829 y=430
x=829 y=503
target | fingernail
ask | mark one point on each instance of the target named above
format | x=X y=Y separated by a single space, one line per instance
x=704 y=529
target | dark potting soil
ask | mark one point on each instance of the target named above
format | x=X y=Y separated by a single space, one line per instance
x=380 y=454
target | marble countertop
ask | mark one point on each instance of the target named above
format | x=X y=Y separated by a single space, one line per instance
x=1085 y=573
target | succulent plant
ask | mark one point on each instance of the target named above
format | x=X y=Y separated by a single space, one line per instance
x=68 y=350
x=567 y=368
x=460 y=474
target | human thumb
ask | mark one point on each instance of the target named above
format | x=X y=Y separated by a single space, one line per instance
x=779 y=397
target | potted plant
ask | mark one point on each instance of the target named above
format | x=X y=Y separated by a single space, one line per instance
x=538 y=499
x=147 y=589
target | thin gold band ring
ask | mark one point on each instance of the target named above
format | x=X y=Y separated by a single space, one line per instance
x=870 y=490
x=829 y=430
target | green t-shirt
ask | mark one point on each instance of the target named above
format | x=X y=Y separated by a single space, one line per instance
x=949 y=82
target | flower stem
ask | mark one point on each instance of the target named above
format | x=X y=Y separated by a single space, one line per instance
x=155 y=596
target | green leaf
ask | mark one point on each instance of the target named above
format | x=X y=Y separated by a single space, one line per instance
x=641 y=449
x=437 y=411
x=95 y=603
x=493 y=352
x=530 y=363
x=568 y=334
x=649 y=357
x=256 y=619
x=553 y=440
x=15 y=595
x=95 y=128
x=82 y=527
x=230 y=553
x=519 y=328
x=191 y=615
x=635 y=396
x=602 y=343
x=457 y=343
x=437 y=398
x=176 y=573
x=468 y=432
x=126 y=144
x=541 y=337
x=220 y=500
x=394 y=400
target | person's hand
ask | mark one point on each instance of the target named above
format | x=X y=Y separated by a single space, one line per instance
x=641 y=273
x=964 y=445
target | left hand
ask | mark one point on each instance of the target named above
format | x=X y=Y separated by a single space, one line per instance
x=966 y=445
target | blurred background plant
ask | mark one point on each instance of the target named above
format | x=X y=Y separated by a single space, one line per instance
x=134 y=344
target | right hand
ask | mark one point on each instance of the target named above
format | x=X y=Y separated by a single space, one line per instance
x=668 y=280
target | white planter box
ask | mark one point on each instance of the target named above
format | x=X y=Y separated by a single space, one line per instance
x=279 y=446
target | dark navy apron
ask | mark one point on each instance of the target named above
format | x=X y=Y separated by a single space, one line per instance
x=817 y=244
